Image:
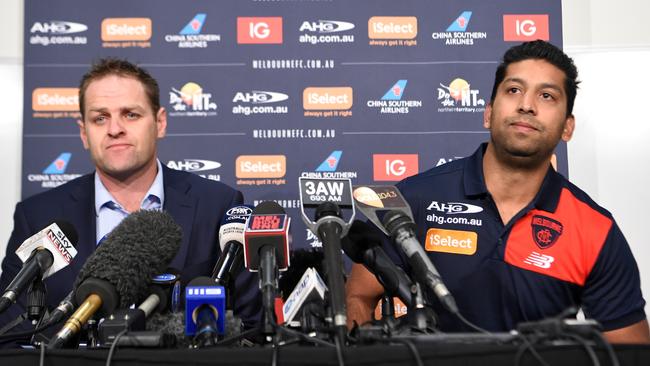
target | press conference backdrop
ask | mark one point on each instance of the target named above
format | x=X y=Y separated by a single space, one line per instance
x=259 y=93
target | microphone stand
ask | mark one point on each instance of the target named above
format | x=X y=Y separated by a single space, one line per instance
x=268 y=278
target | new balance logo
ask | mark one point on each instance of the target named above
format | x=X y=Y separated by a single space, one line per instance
x=539 y=260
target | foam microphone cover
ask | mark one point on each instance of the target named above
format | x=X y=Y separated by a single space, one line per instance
x=361 y=237
x=139 y=248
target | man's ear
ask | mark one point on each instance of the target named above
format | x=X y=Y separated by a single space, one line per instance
x=161 y=122
x=487 y=115
x=82 y=133
x=569 y=127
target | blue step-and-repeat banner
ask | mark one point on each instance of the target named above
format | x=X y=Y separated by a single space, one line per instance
x=261 y=92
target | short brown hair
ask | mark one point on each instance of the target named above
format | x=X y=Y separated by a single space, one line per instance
x=119 y=67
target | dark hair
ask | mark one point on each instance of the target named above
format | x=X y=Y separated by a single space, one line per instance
x=541 y=50
x=114 y=66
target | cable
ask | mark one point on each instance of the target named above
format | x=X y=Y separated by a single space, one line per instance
x=414 y=351
x=14 y=323
x=608 y=347
x=114 y=347
x=525 y=346
x=587 y=347
x=472 y=325
x=41 y=359
x=339 y=351
x=27 y=333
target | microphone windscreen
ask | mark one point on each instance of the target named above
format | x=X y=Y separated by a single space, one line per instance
x=169 y=323
x=361 y=237
x=268 y=208
x=69 y=231
x=139 y=248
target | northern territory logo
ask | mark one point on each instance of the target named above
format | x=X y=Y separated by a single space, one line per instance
x=191 y=101
x=196 y=166
x=459 y=96
x=328 y=168
x=54 y=174
x=57 y=32
x=457 y=34
x=260 y=102
x=392 y=103
x=325 y=31
x=191 y=37
x=545 y=231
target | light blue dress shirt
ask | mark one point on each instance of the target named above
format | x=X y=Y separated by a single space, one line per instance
x=110 y=213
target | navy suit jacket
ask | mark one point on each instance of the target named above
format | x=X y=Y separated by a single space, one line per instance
x=195 y=203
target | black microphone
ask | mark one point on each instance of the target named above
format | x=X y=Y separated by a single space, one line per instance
x=231 y=239
x=329 y=196
x=119 y=272
x=330 y=230
x=363 y=245
x=43 y=254
x=401 y=229
x=267 y=251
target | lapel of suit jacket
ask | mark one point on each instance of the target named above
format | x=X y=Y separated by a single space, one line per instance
x=180 y=204
x=81 y=211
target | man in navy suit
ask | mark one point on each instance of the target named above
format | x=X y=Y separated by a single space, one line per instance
x=121 y=121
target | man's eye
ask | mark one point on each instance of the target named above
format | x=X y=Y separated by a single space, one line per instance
x=547 y=96
x=99 y=119
x=513 y=90
x=132 y=115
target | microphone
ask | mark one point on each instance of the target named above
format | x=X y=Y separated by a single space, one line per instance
x=43 y=254
x=397 y=222
x=231 y=239
x=205 y=309
x=363 y=245
x=266 y=251
x=310 y=288
x=330 y=227
x=133 y=320
x=401 y=229
x=119 y=272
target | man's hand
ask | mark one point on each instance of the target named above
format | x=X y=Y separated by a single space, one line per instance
x=363 y=291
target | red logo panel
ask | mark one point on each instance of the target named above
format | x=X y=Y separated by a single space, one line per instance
x=394 y=167
x=525 y=27
x=266 y=30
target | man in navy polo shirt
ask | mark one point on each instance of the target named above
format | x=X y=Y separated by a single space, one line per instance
x=513 y=240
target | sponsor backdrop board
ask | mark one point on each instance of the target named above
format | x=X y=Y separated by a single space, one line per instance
x=260 y=93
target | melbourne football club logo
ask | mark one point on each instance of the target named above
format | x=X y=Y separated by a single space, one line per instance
x=546 y=231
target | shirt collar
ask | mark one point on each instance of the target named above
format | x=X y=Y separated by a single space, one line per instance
x=474 y=182
x=156 y=192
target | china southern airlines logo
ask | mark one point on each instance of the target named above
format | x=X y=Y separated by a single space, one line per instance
x=59 y=164
x=396 y=91
x=195 y=25
x=460 y=23
x=331 y=162
x=546 y=231
x=539 y=260
x=454 y=207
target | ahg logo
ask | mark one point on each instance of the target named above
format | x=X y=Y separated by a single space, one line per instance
x=523 y=27
x=266 y=30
